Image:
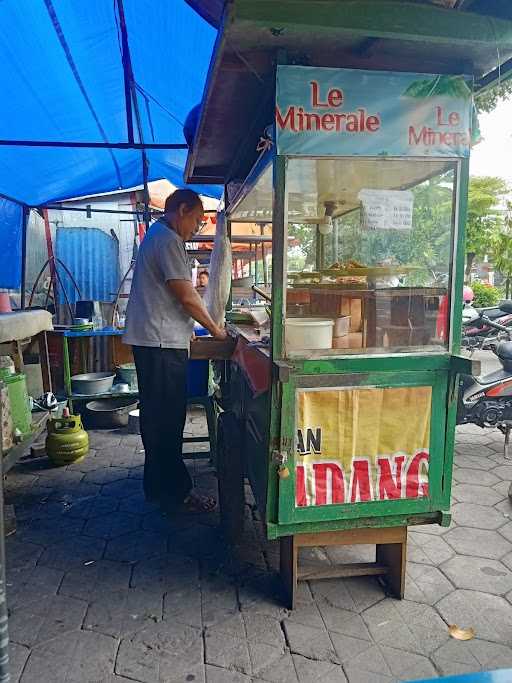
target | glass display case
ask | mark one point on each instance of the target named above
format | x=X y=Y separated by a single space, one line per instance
x=370 y=248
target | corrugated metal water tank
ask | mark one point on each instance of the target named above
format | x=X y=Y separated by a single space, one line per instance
x=92 y=256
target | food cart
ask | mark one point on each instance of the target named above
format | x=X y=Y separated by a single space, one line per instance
x=352 y=137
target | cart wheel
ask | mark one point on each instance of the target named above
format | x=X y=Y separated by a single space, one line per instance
x=230 y=474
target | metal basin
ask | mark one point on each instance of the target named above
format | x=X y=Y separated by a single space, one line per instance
x=92 y=383
x=110 y=412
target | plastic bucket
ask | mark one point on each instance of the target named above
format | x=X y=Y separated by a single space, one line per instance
x=18 y=397
x=342 y=326
x=308 y=334
x=198 y=372
x=5 y=303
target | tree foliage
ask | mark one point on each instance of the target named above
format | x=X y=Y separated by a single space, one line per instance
x=485 y=295
x=484 y=220
x=427 y=247
x=488 y=100
x=502 y=249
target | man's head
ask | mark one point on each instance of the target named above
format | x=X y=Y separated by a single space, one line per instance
x=202 y=278
x=184 y=211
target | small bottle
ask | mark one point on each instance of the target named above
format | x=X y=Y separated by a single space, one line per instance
x=97 y=322
x=119 y=320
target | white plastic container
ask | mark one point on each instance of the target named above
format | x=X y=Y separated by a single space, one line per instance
x=308 y=334
x=342 y=326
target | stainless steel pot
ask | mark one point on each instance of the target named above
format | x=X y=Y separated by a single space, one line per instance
x=110 y=412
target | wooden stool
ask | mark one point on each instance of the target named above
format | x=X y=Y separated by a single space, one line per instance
x=208 y=403
x=391 y=546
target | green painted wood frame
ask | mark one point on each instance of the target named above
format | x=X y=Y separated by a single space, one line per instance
x=389 y=19
x=288 y=513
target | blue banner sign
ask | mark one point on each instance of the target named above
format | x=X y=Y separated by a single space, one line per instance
x=347 y=112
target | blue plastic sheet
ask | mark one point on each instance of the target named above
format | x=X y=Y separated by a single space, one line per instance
x=11 y=223
x=62 y=80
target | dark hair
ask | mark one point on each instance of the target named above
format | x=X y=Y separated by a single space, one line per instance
x=188 y=197
x=203 y=272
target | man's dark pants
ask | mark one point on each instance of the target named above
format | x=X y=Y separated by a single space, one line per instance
x=162 y=378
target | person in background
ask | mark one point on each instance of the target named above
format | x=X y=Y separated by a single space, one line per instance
x=202 y=279
x=160 y=316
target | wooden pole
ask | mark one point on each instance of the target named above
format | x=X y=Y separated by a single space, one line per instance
x=51 y=261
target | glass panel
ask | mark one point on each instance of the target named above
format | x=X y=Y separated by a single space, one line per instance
x=257 y=204
x=369 y=255
x=361 y=445
x=251 y=241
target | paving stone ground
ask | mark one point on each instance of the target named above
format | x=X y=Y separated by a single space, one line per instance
x=102 y=588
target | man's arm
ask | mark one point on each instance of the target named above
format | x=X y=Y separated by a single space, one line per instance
x=194 y=306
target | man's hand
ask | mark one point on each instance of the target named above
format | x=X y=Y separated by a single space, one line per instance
x=220 y=333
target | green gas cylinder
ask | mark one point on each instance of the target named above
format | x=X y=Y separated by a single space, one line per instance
x=67 y=440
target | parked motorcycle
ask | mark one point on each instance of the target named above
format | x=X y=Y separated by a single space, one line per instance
x=487 y=400
x=477 y=330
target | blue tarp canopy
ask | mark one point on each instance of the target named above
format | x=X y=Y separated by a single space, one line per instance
x=63 y=81
x=11 y=217
x=71 y=73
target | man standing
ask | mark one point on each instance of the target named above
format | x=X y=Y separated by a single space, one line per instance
x=159 y=324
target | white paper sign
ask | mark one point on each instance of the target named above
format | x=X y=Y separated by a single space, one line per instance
x=386 y=209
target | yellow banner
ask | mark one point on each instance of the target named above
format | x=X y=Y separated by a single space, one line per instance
x=361 y=445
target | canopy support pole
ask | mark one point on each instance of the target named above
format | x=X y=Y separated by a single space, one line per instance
x=145 y=173
x=24 y=227
x=4 y=616
x=127 y=71
x=58 y=207
x=129 y=81
x=91 y=145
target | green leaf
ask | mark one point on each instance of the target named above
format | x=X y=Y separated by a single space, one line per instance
x=454 y=86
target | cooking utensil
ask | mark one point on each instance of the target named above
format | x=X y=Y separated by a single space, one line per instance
x=110 y=412
x=128 y=374
x=92 y=383
x=121 y=388
x=263 y=294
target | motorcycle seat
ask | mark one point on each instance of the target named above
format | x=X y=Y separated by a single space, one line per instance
x=493 y=377
x=504 y=353
x=493 y=313
x=504 y=308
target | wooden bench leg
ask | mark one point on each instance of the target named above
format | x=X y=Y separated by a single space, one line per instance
x=394 y=556
x=44 y=360
x=288 y=566
x=19 y=363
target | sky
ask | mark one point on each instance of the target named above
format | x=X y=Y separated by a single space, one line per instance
x=493 y=155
